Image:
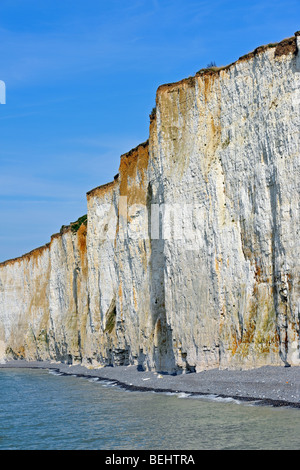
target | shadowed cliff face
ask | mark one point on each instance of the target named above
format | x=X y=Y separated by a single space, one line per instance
x=189 y=259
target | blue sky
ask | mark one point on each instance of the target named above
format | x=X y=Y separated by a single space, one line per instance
x=81 y=78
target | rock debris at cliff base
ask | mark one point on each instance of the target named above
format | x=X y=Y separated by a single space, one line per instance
x=189 y=259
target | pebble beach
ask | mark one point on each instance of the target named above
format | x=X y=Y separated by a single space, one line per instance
x=268 y=385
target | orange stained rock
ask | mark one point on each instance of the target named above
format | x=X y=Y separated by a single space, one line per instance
x=132 y=171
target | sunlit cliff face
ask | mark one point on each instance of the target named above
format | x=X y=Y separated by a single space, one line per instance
x=189 y=258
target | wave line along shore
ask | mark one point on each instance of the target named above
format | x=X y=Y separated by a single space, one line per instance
x=268 y=385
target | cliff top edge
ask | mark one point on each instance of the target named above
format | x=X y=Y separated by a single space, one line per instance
x=283 y=47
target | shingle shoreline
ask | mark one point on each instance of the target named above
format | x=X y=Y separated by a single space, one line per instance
x=269 y=385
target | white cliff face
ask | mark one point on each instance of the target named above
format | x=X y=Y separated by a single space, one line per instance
x=102 y=275
x=118 y=259
x=68 y=300
x=190 y=257
x=228 y=147
x=24 y=306
x=43 y=301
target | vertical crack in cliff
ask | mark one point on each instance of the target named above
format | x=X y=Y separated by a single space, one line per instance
x=279 y=288
x=163 y=354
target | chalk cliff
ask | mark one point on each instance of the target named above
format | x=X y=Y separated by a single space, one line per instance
x=189 y=258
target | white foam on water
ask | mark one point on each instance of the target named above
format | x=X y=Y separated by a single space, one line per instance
x=217 y=398
x=54 y=372
x=107 y=383
x=183 y=395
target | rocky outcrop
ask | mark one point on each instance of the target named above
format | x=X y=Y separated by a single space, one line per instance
x=189 y=258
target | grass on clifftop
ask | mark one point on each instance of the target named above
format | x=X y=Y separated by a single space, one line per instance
x=152 y=114
x=75 y=226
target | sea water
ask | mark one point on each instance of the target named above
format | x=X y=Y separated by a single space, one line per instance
x=42 y=410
